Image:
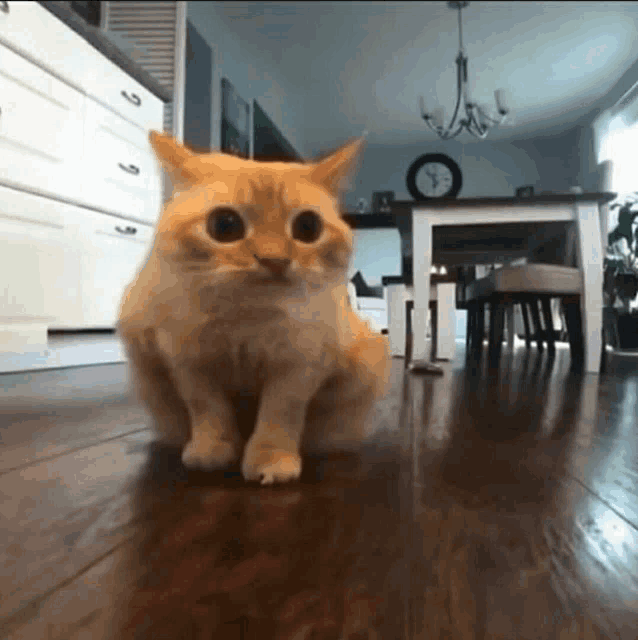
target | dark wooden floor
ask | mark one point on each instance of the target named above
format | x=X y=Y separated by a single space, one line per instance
x=482 y=505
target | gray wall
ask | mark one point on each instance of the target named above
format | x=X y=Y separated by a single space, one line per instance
x=549 y=163
x=251 y=72
x=489 y=169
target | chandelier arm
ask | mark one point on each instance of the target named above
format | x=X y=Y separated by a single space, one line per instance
x=480 y=133
x=484 y=115
x=475 y=130
x=428 y=121
x=481 y=128
x=462 y=125
x=444 y=134
x=459 y=91
x=478 y=130
x=473 y=126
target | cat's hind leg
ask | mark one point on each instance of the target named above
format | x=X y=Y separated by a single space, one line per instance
x=154 y=385
x=338 y=416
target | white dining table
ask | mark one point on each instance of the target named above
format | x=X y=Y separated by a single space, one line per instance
x=585 y=210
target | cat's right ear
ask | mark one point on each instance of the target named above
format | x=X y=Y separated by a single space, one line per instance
x=336 y=171
x=173 y=157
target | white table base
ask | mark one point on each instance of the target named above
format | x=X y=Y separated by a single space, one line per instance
x=590 y=259
x=445 y=296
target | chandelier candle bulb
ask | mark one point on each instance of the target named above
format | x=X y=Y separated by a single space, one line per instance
x=501 y=101
x=422 y=107
x=437 y=117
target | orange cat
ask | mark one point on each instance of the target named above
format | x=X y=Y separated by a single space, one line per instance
x=243 y=301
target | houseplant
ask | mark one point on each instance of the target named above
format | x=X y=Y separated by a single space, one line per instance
x=621 y=273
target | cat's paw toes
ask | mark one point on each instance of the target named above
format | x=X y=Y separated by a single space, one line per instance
x=210 y=454
x=271 y=466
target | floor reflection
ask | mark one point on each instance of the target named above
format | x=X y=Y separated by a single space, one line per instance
x=482 y=516
x=319 y=559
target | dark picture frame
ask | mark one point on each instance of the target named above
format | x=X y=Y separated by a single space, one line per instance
x=235 y=137
x=198 y=99
x=269 y=143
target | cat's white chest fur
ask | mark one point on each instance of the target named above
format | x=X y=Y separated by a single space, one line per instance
x=241 y=340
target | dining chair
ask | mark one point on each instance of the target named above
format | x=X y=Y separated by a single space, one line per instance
x=539 y=325
x=526 y=284
x=468 y=274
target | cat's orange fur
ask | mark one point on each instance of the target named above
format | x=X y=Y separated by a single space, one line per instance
x=209 y=324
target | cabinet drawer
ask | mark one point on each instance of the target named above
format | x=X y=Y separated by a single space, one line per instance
x=111 y=86
x=36 y=33
x=137 y=237
x=39 y=258
x=41 y=128
x=123 y=174
x=113 y=252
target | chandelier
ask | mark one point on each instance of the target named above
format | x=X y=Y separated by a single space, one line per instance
x=476 y=121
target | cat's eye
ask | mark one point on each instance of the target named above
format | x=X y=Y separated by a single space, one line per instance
x=307 y=227
x=226 y=225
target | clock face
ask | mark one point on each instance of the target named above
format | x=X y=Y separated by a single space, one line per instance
x=434 y=180
x=432 y=176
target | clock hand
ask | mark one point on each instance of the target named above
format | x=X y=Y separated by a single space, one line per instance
x=430 y=175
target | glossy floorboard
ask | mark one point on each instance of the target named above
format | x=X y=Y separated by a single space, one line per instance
x=483 y=504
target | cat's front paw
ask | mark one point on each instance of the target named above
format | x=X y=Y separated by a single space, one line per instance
x=269 y=466
x=208 y=453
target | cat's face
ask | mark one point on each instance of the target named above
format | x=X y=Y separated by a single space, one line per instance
x=266 y=224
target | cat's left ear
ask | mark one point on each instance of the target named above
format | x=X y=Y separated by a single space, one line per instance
x=336 y=171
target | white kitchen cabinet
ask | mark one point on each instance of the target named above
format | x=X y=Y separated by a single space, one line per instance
x=124 y=174
x=73 y=138
x=112 y=252
x=39 y=259
x=41 y=136
x=114 y=88
x=37 y=34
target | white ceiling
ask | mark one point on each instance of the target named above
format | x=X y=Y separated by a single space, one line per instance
x=364 y=64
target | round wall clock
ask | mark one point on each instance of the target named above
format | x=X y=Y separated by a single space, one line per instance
x=433 y=176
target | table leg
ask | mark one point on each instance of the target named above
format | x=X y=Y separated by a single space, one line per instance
x=397 y=322
x=422 y=261
x=536 y=322
x=591 y=264
x=446 y=321
x=511 y=329
x=528 y=330
x=549 y=323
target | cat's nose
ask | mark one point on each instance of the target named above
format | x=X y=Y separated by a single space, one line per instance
x=278 y=266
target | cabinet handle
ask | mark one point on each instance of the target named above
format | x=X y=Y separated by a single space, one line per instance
x=129 y=231
x=133 y=98
x=130 y=169
x=4 y=6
